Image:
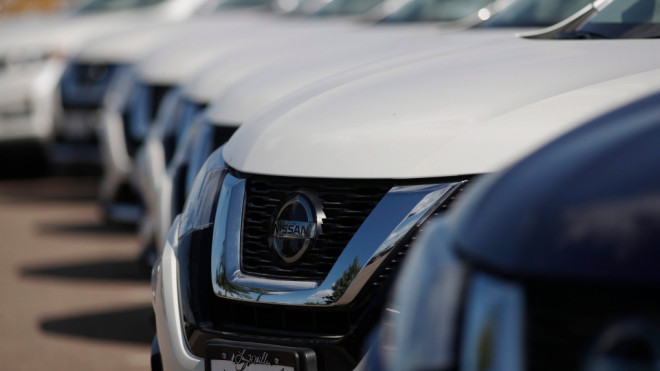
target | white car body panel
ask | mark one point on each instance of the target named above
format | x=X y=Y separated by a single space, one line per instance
x=450 y=108
x=130 y=47
x=353 y=48
x=175 y=63
x=246 y=97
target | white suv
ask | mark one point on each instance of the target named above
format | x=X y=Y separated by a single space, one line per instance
x=293 y=232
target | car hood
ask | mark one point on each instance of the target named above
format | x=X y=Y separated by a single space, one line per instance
x=131 y=46
x=356 y=46
x=457 y=114
x=66 y=35
x=259 y=89
x=178 y=62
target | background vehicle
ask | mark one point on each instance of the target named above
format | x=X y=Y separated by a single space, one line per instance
x=548 y=265
x=33 y=53
x=102 y=60
x=170 y=66
x=243 y=268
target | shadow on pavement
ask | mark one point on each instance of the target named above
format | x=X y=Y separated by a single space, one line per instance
x=127 y=325
x=92 y=228
x=102 y=270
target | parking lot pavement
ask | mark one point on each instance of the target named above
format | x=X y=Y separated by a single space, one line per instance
x=72 y=296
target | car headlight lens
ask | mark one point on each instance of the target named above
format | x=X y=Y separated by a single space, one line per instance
x=200 y=206
x=437 y=302
x=420 y=324
x=493 y=330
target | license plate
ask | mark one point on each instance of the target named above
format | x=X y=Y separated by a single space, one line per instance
x=223 y=356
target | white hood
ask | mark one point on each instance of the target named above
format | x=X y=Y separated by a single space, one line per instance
x=236 y=104
x=464 y=113
x=364 y=44
x=176 y=63
x=65 y=34
x=131 y=46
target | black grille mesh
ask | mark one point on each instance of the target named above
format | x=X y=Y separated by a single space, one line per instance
x=346 y=206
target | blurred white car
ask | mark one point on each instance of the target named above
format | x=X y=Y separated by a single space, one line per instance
x=32 y=58
x=292 y=233
x=94 y=68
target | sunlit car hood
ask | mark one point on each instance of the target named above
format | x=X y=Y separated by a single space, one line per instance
x=365 y=44
x=443 y=116
x=128 y=47
x=65 y=34
x=177 y=62
x=258 y=90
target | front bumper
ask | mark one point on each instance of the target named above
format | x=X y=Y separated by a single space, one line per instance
x=29 y=101
x=173 y=349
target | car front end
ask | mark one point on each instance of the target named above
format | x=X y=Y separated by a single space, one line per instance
x=293 y=231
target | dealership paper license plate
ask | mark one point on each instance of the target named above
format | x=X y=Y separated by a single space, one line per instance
x=253 y=357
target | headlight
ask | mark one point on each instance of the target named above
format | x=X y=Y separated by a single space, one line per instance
x=441 y=318
x=421 y=322
x=492 y=336
x=200 y=206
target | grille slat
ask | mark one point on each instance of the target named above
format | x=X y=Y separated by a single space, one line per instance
x=345 y=206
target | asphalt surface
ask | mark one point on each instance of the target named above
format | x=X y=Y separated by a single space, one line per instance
x=72 y=296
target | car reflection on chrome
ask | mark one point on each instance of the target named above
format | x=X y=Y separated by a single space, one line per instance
x=551 y=264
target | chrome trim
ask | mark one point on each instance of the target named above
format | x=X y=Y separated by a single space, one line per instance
x=401 y=209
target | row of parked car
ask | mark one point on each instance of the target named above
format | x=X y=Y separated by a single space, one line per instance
x=380 y=185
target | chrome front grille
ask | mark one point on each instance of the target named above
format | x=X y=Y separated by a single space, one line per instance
x=345 y=204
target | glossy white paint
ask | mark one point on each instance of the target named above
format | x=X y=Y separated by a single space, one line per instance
x=454 y=114
x=324 y=55
x=177 y=62
x=246 y=97
x=132 y=46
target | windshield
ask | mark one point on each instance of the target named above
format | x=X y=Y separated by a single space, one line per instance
x=241 y=4
x=436 y=10
x=109 y=5
x=624 y=19
x=536 y=13
x=347 y=7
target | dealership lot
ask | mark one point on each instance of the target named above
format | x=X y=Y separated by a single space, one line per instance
x=73 y=297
